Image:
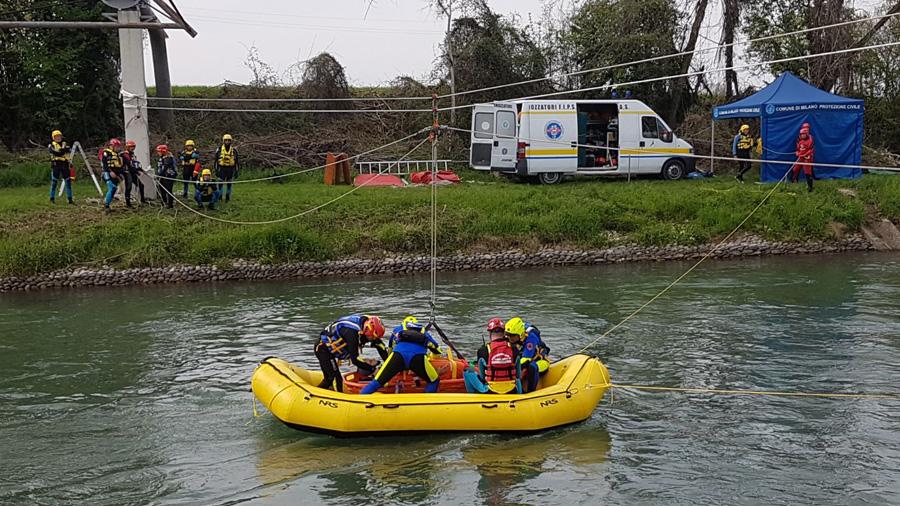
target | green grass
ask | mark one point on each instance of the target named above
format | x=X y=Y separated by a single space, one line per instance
x=484 y=215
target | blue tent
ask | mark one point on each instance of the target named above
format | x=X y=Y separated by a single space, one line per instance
x=836 y=124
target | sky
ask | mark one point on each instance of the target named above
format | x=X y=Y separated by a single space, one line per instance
x=395 y=37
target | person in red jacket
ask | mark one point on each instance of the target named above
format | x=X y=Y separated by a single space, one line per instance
x=804 y=153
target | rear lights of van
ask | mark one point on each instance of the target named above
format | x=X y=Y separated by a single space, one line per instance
x=520 y=150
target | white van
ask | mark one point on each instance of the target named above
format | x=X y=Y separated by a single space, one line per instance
x=547 y=139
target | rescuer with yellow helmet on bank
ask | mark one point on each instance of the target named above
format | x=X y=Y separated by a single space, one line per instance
x=207 y=190
x=113 y=169
x=60 y=166
x=226 y=164
x=533 y=353
x=189 y=162
x=741 y=146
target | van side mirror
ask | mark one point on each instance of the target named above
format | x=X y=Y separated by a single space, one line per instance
x=666 y=136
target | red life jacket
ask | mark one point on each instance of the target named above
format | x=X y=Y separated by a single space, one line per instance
x=501 y=361
x=805 y=149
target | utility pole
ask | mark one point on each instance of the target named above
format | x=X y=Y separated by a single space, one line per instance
x=134 y=87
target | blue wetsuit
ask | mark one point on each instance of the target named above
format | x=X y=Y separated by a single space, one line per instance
x=343 y=340
x=409 y=353
x=533 y=354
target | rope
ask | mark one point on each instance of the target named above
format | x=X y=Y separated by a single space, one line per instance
x=304 y=171
x=692 y=74
x=691 y=269
x=278 y=100
x=668 y=56
x=287 y=111
x=754 y=392
x=433 y=137
x=695 y=156
x=298 y=215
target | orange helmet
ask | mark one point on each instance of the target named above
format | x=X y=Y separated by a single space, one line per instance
x=162 y=148
x=115 y=143
x=373 y=328
x=495 y=324
x=130 y=144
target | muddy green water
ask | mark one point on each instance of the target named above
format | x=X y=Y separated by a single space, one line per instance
x=141 y=395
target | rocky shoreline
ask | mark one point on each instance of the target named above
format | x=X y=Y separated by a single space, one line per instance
x=246 y=270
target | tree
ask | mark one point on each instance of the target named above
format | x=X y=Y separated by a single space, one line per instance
x=324 y=77
x=59 y=79
x=608 y=32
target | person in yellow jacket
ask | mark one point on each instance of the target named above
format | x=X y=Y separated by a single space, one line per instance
x=226 y=164
x=60 y=166
x=741 y=146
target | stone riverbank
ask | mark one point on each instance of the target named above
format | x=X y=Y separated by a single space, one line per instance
x=247 y=270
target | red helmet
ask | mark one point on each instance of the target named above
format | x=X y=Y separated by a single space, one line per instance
x=805 y=125
x=495 y=324
x=115 y=143
x=804 y=130
x=373 y=328
x=162 y=148
x=130 y=144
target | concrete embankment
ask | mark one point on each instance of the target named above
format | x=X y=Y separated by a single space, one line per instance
x=245 y=270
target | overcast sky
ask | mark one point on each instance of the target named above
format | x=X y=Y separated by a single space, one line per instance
x=395 y=38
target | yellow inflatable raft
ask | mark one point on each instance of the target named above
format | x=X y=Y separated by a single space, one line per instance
x=568 y=393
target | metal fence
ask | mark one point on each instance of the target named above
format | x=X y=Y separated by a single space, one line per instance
x=399 y=167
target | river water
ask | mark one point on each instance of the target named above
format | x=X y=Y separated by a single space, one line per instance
x=141 y=395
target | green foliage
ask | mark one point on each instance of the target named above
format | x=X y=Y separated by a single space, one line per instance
x=59 y=79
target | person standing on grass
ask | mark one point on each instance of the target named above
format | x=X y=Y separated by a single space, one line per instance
x=133 y=170
x=166 y=171
x=189 y=161
x=740 y=148
x=226 y=165
x=112 y=163
x=60 y=166
x=805 y=151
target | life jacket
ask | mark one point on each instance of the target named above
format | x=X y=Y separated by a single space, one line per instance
x=58 y=146
x=188 y=159
x=226 y=156
x=331 y=334
x=805 y=149
x=501 y=363
x=207 y=188
x=745 y=142
x=166 y=166
x=115 y=159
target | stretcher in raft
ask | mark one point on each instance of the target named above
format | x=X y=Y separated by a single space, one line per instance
x=567 y=393
x=450 y=371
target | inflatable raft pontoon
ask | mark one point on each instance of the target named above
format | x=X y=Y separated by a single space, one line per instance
x=568 y=393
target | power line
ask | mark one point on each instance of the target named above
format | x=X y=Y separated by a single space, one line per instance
x=288 y=111
x=275 y=100
x=668 y=56
x=318 y=28
x=691 y=74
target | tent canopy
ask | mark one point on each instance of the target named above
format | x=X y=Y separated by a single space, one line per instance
x=788 y=102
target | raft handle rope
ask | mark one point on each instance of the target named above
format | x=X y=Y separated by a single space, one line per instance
x=298 y=215
x=732 y=391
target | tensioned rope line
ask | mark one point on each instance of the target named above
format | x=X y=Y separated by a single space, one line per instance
x=298 y=215
x=756 y=392
x=695 y=156
x=340 y=99
x=287 y=111
x=690 y=74
x=303 y=171
x=433 y=136
x=691 y=269
x=672 y=55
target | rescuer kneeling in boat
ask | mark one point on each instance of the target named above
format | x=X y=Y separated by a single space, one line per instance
x=498 y=368
x=343 y=340
x=409 y=353
x=533 y=353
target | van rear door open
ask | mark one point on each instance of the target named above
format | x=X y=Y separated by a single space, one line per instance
x=503 y=156
x=482 y=142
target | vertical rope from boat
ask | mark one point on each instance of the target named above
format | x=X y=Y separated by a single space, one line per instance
x=433 y=135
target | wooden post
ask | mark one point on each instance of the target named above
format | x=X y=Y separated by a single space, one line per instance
x=329 y=168
x=343 y=169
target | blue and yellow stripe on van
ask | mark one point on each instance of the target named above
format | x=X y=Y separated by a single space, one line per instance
x=654 y=152
x=550 y=154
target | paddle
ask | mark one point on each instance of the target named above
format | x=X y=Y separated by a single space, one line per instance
x=434 y=325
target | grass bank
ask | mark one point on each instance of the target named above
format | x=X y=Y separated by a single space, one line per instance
x=482 y=215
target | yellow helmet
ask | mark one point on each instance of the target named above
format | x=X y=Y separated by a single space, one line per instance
x=55 y=133
x=226 y=137
x=745 y=128
x=515 y=326
x=408 y=320
x=206 y=172
x=189 y=142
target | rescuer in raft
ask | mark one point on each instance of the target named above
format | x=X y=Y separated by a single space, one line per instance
x=112 y=164
x=533 y=353
x=60 y=166
x=343 y=339
x=395 y=333
x=498 y=367
x=409 y=353
x=226 y=165
x=805 y=151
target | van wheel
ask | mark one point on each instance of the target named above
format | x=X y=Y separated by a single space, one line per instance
x=550 y=177
x=673 y=169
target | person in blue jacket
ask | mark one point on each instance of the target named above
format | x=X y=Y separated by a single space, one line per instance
x=344 y=339
x=410 y=353
x=533 y=352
